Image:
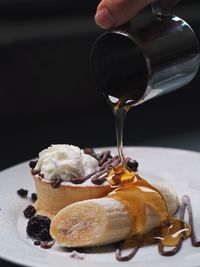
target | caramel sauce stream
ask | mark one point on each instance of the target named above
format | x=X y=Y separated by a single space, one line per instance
x=120 y=116
x=138 y=195
x=120 y=110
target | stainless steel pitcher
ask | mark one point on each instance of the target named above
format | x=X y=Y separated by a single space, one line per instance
x=145 y=59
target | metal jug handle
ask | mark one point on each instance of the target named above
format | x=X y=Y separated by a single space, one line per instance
x=159 y=10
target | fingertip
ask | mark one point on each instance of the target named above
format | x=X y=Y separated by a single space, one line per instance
x=104 y=18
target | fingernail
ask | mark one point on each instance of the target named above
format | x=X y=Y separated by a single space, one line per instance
x=104 y=18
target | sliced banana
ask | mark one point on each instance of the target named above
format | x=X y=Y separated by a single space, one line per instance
x=102 y=221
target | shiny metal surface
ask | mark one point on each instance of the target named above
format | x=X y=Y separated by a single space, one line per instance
x=161 y=8
x=146 y=59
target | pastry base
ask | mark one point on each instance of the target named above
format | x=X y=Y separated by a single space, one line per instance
x=51 y=200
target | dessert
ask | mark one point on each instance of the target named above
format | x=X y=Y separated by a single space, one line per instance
x=131 y=210
x=133 y=214
x=65 y=174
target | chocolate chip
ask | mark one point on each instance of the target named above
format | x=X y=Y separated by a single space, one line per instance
x=55 y=182
x=29 y=211
x=38 y=228
x=32 y=164
x=33 y=197
x=22 y=192
x=132 y=164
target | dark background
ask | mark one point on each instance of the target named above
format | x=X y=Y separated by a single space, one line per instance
x=48 y=96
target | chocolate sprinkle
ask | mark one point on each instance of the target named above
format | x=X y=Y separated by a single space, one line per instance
x=38 y=228
x=29 y=211
x=55 y=182
x=99 y=178
x=110 y=163
x=22 y=192
x=105 y=161
x=78 y=180
x=103 y=157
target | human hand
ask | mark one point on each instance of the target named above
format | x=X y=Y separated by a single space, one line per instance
x=113 y=13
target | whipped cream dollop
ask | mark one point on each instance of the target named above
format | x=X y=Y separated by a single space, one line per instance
x=65 y=161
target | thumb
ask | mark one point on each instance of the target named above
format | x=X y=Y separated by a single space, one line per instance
x=112 y=13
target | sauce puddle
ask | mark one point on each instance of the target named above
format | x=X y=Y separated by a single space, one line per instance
x=175 y=238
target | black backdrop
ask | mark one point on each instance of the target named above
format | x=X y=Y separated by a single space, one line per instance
x=48 y=95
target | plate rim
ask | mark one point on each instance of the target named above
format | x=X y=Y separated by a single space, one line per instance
x=24 y=263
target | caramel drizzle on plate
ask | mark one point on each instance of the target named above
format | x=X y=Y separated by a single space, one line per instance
x=136 y=194
x=186 y=204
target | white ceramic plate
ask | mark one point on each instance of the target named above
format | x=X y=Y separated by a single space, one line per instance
x=177 y=168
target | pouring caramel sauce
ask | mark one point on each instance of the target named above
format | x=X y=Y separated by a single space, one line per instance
x=137 y=195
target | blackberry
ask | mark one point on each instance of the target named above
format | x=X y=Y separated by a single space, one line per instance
x=38 y=228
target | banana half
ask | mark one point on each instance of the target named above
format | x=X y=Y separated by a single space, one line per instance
x=103 y=221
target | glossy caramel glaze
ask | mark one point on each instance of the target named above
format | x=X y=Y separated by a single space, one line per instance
x=138 y=195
